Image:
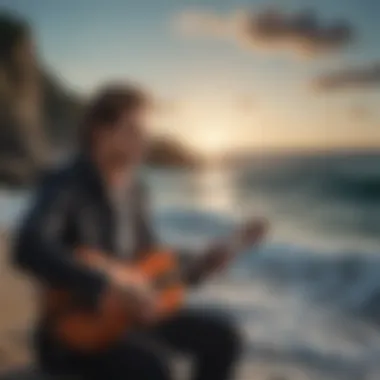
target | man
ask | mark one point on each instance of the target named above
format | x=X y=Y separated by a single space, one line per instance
x=97 y=201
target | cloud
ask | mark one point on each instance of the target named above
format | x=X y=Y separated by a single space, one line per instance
x=301 y=33
x=357 y=77
x=203 y=24
x=360 y=112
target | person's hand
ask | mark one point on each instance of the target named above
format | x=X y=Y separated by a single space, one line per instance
x=252 y=232
x=127 y=290
x=220 y=253
x=131 y=292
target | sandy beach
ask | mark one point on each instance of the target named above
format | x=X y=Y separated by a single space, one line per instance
x=17 y=312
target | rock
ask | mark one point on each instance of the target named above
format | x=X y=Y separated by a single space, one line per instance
x=37 y=113
x=169 y=153
x=21 y=134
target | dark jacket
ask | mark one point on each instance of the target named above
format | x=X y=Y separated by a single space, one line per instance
x=70 y=210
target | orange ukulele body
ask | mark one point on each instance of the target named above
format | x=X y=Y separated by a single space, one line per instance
x=87 y=330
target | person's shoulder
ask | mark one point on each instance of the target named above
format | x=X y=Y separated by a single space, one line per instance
x=60 y=176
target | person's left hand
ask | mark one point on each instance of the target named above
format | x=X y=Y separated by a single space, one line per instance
x=219 y=254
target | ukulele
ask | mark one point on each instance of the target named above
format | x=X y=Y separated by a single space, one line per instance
x=89 y=331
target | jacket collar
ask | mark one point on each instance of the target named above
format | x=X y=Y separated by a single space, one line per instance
x=89 y=173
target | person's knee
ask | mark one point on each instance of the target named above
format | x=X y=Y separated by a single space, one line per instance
x=231 y=337
x=153 y=367
x=140 y=362
x=225 y=337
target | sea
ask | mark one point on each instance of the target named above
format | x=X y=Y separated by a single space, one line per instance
x=308 y=298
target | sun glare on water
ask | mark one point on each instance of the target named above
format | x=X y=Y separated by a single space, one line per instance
x=210 y=126
x=211 y=143
x=209 y=129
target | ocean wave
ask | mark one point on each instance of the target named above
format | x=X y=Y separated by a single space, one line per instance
x=343 y=281
x=358 y=189
x=352 y=178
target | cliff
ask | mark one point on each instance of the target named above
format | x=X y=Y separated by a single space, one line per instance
x=38 y=114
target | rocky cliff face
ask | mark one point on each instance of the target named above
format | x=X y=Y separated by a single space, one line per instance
x=19 y=102
x=36 y=112
x=38 y=115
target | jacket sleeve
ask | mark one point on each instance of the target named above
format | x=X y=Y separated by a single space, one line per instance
x=39 y=247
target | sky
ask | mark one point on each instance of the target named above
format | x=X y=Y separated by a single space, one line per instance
x=230 y=75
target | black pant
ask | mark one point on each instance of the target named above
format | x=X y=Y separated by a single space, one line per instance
x=210 y=340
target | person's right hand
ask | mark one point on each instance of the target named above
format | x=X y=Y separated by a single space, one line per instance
x=132 y=293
